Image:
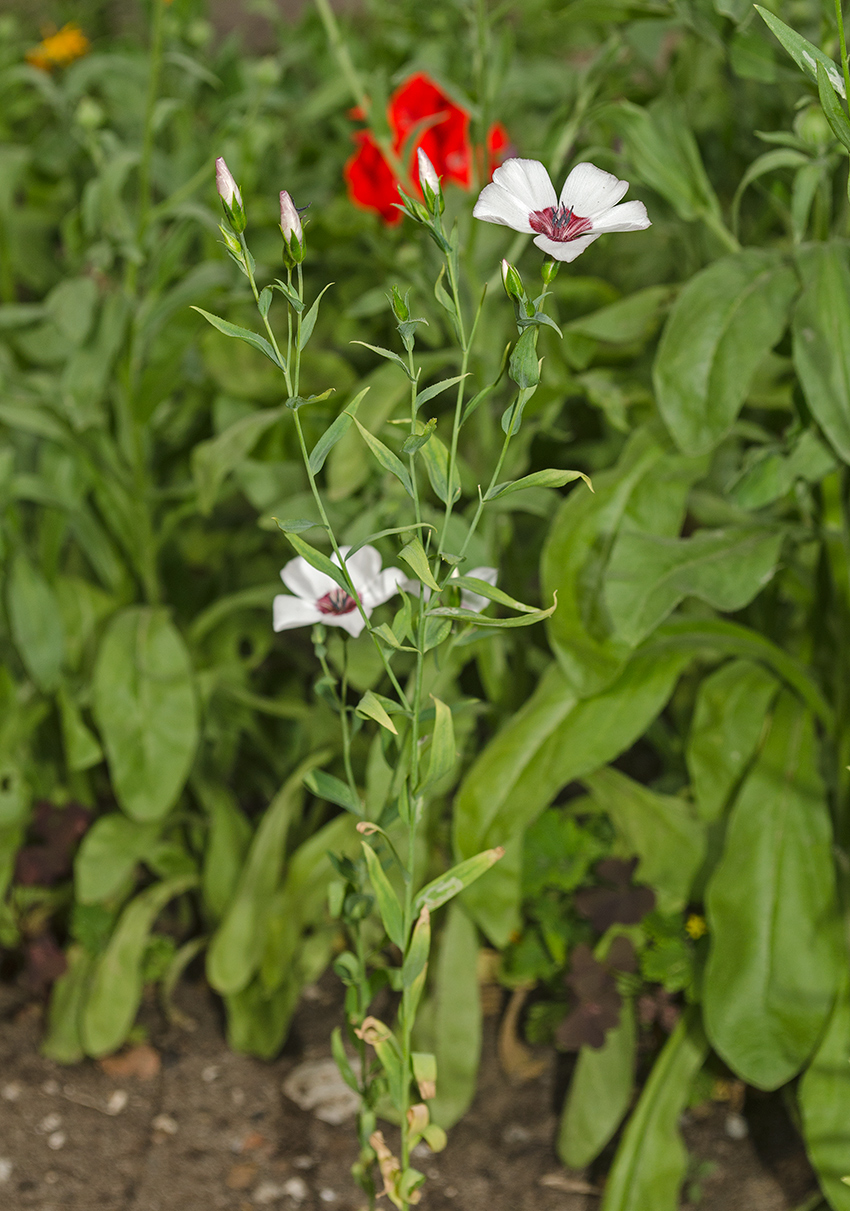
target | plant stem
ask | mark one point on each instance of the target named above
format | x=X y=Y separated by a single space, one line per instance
x=842 y=42
x=157 y=30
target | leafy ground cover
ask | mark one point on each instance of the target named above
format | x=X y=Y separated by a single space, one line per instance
x=655 y=771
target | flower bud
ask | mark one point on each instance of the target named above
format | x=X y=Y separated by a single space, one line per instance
x=231 y=198
x=549 y=271
x=512 y=282
x=401 y=310
x=291 y=230
x=430 y=184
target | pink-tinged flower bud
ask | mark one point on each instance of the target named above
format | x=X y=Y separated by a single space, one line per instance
x=512 y=282
x=291 y=230
x=429 y=182
x=231 y=198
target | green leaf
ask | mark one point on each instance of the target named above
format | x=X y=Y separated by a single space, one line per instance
x=483 y=588
x=723 y=324
x=115 y=991
x=804 y=53
x=443 y=750
x=326 y=786
x=424 y=433
x=389 y=461
x=781 y=157
x=439 y=891
x=389 y=355
x=62 y=1042
x=237 y=946
x=108 y=855
x=651 y=1161
x=82 y=750
x=662 y=830
x=627 y=321
x=824 y=1101
x=241 y=334
x=482 y=620
x=413 y=972
x=821 y=331
x=257 y=1019
x=146 y=710
x=342 y=1061
x=599 y=1093
x=648 y=576
x=413 y=554
x=771 y=904
x=334 y=433
x=317 y=560
x=213 y=460
x=728 y=722
x=524 y=367
x=370 y=707
x=435 y=456
x=296 y=525
x=388 y=903
x=308 y=323
x=424 y=397
x=551 y=478
x=228 y=839
x=36 y=623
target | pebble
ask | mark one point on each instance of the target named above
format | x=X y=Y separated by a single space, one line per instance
x=267 y=1192
x=296 y=1188
x=237 y=1096
x=304 y=1162
x=515 y=1133
x=116 y=1101
x=210 y=1073
x=50 y=1087
x=450 y=1192
x=736 y=1126
x=49 y=1123
x=327 y=1196
x=12 y=1091
x=6 y=1168
x=51 y=1177
x=165 y=1123
x=56 y=1140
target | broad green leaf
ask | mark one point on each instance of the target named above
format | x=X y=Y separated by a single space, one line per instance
x=228 y=839
x=108 y=855
x=832 y=108
x=370 y=707
x=213 y=460
x=241 y=334
x=334 y=433
x=551 y=478
x=599 y=1093
x=723 y=324
x=413 y=554
x=648 y=576
x=36 y=623
x=805 y=55
x=388 y=903
x=771 y=904
x=551 y=741
x=318 y=560
x=645 y=491
x=435 y=458
x=115 y=990
x=389 y=461
x=523 y=366
x=334 y=790
x=62 y=1041
x=821 y=332
x=257 y=1020
x=662 y=830
x=770 y=161
x=347 y=469
x=652 y=1161
x=824 y=1100
x=82 y=750
x=237 y=945
x=443 y=752
x=439 y=891
x=728 y=721
x=308 y=323
x=627 y=321
x=146 y=710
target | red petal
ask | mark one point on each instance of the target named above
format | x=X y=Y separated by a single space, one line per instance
x=371 y=183
x=498 y=146
x=446 y=143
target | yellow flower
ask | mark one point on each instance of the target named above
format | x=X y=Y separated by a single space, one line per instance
x=696 y=926
x=59 y=49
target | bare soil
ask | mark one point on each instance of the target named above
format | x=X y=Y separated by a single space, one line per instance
x=214 y=1130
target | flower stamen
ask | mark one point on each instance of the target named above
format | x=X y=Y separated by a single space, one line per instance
x=337 y=601
x=559 y=223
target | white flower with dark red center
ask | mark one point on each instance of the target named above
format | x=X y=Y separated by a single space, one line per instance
x=317 y=598
x=468 y=599
x=522 y=196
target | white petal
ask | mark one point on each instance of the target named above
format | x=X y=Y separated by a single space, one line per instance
x=414 y=587
x=590 y=191
x=474 y=601
x=351 y=622
x=565 y=251
x=304 y=580
x=363 y=566
x=528 y=181
x=496 y=205
x=381 y=588
x=289 y=612
x=630 y=216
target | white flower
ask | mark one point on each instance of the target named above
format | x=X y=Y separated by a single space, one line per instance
x=427 y=173
x=317 y=598
x=468 y=600
x=226 y=185
x=290 y=220
x=522 y=196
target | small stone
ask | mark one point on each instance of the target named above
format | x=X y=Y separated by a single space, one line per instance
x=241 y=1176
x=165 y=1123
x=12 y=1091
x=49 y=1123
x=116 y=1101
x=450 y=1192
x=515 y=1133
x=56 y=1140
x=6 y=1168
x=304 y=1162
x=266 y=1193
x=317 y=1086
x=50 y=1087
x=736 y=1127
x=237 y=1096
x=252 y=1141
x=210 y=1073
x=141 y=1062
x=296 y=1188
x=421 y=1151
x=327 y=1196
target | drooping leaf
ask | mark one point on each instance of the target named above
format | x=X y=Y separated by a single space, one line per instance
x=824 y=1100
x=146 y=710
x=774 y=962
x=242 y=334
x=413 y=554
x=551 y=478
x=443 y=751
x=62 y=1042
x=599 y=1093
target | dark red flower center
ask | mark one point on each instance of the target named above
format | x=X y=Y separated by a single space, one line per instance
x=559 y=223
x=337 y=601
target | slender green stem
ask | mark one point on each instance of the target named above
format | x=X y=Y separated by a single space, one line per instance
x=842 y=42
x=284 y=363
x=143 y=217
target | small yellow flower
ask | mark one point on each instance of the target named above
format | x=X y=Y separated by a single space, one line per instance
x=696 y=926
x=59 y=49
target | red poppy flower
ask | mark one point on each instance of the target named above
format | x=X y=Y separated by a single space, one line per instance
x=421 y=111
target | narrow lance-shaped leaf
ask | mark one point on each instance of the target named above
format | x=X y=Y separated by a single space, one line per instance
x=318 y=561
x=389 y=461
x=413 y=554
x=551 y=478
x=308 y=323
x=388 y=904
x=389 y=355
x=242 y=334
x=334 y=433
x=481 y=620
x=326 y=786
x=370 y=707
x=599 y=1093
x=440 y=891
x=807 y=56
x=443 y=750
